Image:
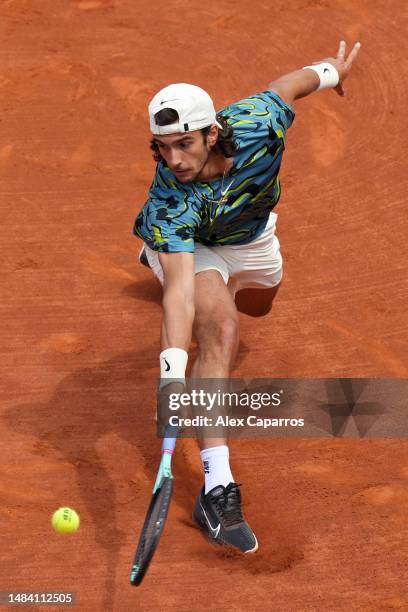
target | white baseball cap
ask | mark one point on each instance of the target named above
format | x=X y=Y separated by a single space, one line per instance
x=193 y=105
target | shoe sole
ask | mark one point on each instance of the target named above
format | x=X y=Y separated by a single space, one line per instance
x=143 y=258
x=255 y=548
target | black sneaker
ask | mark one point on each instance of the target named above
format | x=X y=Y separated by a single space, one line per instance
x=143 y=258
x=219 y=515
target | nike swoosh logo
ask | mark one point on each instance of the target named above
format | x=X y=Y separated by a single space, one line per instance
x=215 y=531
x=326 y=70
x=165 y=101
x=167 y=365
x=226 y=189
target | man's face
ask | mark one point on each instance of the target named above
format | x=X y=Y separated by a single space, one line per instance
x=186 y=154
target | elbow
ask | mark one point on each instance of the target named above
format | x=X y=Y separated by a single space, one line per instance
x=284 y=90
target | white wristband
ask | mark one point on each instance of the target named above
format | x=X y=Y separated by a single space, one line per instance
x=328 y=75
x=173 y=363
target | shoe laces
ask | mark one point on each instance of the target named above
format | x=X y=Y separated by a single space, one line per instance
x=228 y=504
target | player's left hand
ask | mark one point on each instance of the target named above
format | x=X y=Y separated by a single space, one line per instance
x=342 y=64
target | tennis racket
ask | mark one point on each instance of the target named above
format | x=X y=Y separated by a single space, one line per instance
x=157 y=512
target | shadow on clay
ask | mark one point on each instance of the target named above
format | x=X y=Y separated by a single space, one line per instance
x=103 y=400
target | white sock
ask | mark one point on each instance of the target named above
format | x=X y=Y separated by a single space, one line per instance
x=216 y=465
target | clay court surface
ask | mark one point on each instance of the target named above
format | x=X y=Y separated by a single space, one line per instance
x=80 y=318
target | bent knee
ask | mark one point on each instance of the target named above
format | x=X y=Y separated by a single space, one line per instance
x=218 y=335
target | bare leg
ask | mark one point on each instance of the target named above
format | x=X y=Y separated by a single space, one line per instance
x=216 y=329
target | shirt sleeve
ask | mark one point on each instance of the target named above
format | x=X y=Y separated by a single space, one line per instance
x=261 y=116
x=283 y=113
x=167 y=221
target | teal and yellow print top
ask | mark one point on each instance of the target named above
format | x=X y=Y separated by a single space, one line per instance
x=176 y=215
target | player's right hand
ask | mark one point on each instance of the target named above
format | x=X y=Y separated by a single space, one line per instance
x=167 y=399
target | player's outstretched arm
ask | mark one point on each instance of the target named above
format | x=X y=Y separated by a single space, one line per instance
x=177 y=323
x=178 y=299
x=328 y=73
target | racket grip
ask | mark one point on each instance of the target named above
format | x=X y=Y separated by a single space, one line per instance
x=170 y=438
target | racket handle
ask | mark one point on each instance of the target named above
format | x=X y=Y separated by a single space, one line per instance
x=170 y=438
x=168 y=447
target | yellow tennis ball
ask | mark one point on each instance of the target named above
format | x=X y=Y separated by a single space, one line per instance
x=65 y=520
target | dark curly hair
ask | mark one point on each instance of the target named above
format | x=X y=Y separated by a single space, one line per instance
x=225 y=142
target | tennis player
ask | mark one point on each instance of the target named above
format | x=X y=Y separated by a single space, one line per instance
x=209 y=231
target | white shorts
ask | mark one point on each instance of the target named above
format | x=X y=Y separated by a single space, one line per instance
x=257 y=264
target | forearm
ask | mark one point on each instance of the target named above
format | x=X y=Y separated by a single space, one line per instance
x=297 y=84
x=177 y=322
